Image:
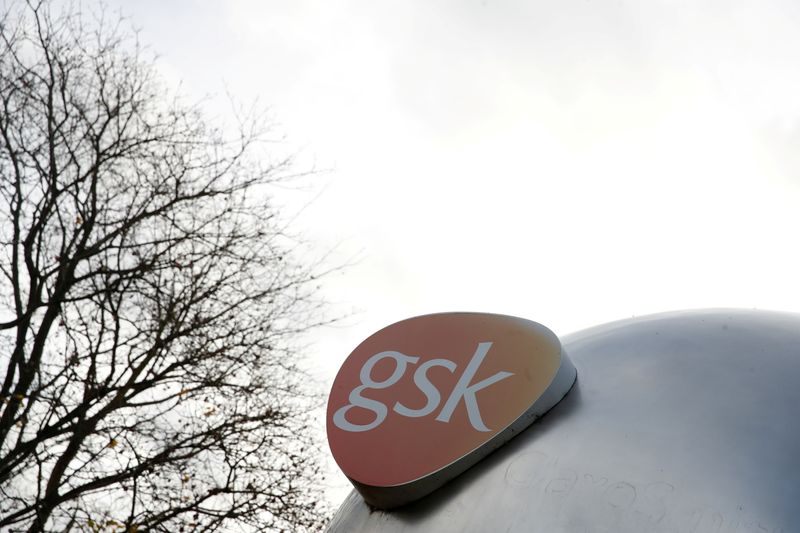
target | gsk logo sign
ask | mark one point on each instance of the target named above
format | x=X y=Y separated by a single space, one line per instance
x=422 y=400
x=462 y=391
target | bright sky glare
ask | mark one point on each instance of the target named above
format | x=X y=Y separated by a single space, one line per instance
x=569 y=162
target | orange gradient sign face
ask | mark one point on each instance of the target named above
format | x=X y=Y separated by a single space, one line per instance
x=417 y=402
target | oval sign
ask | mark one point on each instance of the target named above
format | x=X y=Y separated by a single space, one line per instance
x=422 y=400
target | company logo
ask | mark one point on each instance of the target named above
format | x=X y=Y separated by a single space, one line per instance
x=423 y=399
x=462 y=391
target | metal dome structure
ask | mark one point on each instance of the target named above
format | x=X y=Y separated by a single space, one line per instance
x=679 y=422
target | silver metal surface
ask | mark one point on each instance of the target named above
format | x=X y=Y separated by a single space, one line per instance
x=684 y=422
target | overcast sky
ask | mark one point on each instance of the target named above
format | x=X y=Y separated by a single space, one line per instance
x=570 y=162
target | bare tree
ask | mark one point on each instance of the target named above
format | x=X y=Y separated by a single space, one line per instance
x=147 y=379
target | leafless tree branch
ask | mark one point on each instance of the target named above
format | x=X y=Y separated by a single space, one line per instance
x=147 y=380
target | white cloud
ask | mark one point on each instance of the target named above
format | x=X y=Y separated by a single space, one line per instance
x=570 y=162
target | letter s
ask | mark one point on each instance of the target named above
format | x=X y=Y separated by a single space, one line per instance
x=356 y=400
x=425 y=385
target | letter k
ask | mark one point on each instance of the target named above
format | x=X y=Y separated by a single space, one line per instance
x=464 y=390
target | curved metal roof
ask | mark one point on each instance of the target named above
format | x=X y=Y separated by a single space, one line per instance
x=679 y=422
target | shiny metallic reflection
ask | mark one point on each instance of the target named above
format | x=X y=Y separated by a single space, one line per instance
x=681 y=422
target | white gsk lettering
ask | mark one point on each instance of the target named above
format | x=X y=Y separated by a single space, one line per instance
x=463 y=390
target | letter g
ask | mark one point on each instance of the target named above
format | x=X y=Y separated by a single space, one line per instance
x=356 y=400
